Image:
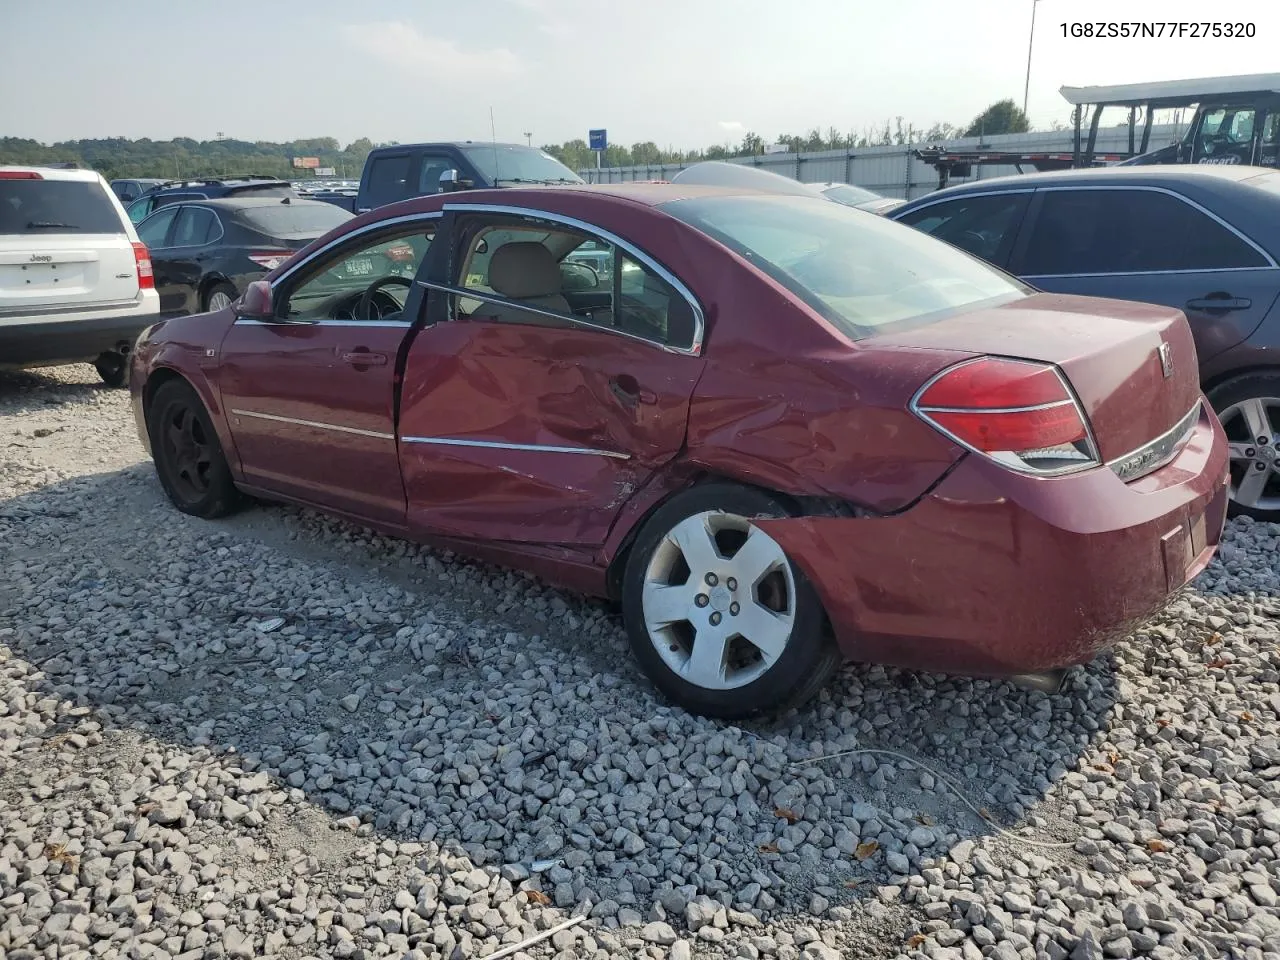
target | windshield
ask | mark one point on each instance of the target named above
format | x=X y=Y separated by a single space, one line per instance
x=860 y=272
x=514 y=164
x=284 y=219
x=56 y=206
x=844 y=193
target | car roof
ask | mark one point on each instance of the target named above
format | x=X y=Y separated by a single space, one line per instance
x=249 y=203
x=1153 y=174
x=53 y=173
x=648 y=194
x=389 y=148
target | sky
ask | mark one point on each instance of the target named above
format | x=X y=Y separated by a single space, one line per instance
x=681 y=73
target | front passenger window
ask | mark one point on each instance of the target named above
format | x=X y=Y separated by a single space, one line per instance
x=368 y=282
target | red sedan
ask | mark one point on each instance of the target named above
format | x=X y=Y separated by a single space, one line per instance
x=782 y=432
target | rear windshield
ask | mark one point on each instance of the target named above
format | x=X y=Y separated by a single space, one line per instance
x=849 y=194
x=56 y=206
x=859 y=271
x=508 y=164
x=292 y=218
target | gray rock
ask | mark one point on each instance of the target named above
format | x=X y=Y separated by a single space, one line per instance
x=659 y=933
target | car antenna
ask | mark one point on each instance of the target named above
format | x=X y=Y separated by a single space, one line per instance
x=493 y=134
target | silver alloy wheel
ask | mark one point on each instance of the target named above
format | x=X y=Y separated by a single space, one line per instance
x=719 y=600
x=219 y=300
x=1253 y=433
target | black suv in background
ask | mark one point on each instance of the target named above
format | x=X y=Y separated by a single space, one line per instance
x=176 y=191
x=420 y=169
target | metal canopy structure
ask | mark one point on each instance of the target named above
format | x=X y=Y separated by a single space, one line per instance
x=1172 y=93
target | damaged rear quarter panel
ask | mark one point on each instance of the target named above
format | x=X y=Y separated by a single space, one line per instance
x=788 y=403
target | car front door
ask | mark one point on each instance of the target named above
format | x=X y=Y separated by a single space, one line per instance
x=155 y=231
x=310 y=393
x=191 y=242
x=1152 y=245
x=531 y=413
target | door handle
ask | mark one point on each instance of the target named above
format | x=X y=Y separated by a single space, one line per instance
x=1224 y=302
x=629 y=392
x=364 y=358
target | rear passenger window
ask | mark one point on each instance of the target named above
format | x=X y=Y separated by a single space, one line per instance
x=984 y=226
x=553 y=270
x=388 y=179
x=1128 y=231
x=196 y=227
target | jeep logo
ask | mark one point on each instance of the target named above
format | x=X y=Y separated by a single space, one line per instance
x=41 y=258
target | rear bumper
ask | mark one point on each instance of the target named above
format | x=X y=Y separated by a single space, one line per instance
x=996 y=573
x=70 y=337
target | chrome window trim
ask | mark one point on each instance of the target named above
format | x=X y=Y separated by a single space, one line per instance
x=699 y=317
x=312 y=423
x=254 y=322
x=359 y=232
x=1141 y=273
x=961 y=196
x=1168 y=445
x=1146 y=188
x=526 y=447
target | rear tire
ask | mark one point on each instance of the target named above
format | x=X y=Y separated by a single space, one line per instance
x=188 y=457
x=1249 y=408
x=219 y=297
x=113 y=368
x=701 y=572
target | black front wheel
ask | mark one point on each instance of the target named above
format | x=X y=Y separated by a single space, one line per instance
x=188 y=456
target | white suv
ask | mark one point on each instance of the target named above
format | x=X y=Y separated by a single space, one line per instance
x=75 y=283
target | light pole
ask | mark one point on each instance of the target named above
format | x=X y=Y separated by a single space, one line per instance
x=528 y=137
x=1030 y=40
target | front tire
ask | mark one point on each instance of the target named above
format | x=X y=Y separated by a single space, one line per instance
x=720 y=619
x=188 y=457
x=1249 y=409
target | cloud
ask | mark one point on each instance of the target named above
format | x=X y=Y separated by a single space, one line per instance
x=553 y=19
x=732 y=126
x=403 y=46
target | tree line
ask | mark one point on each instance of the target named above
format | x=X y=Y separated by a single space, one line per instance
x=183 y=157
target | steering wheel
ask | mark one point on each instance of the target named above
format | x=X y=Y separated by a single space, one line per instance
x=364 y=309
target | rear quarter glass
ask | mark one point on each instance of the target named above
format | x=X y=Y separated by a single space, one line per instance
x=864 y=274
x=44 y=207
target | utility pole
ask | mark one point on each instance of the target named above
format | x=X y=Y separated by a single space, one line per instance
x=1026 y=89
x=528 y=137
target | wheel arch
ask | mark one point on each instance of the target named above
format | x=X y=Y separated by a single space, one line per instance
x=1240 y=373
x=162 y=373
x=672 y=486
x=207 y=283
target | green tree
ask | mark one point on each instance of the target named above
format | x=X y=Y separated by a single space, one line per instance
x=1003 y=116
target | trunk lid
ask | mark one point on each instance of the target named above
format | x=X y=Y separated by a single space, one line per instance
x=42 y=270
x=1110 y=351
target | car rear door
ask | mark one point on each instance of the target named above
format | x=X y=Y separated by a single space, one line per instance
x=310 y=394
x=524 y=421
x=1153 y=245
x=191 y=242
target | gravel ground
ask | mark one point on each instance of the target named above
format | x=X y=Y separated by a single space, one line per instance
x=282 y=735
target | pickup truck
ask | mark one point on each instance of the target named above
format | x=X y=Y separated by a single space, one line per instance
x=413 y=170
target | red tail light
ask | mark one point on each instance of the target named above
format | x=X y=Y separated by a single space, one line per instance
x=142 y=258
x=19 y=175
x=1018 y=413
x=270 y=259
